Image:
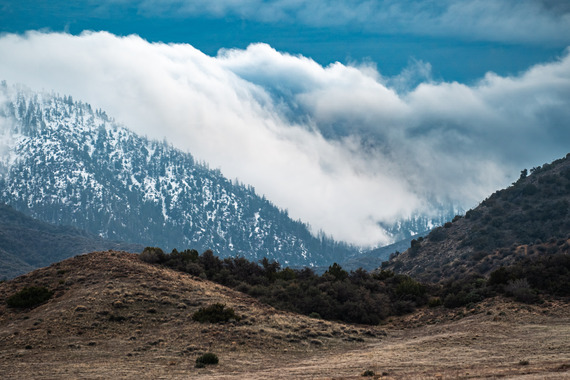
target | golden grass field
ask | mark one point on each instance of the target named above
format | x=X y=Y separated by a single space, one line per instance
x=115 y=317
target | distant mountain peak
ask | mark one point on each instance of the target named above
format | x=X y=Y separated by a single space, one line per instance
x=66 y=163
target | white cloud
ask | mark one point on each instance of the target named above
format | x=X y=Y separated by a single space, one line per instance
x=335 y=145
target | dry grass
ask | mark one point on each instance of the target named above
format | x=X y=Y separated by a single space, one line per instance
x=116 y=317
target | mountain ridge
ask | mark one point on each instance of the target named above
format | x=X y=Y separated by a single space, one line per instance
x=65 y=163
x=532 y=216
x=27 y=243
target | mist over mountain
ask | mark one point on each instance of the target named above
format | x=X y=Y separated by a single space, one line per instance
x=65 y=163
x=340 y=146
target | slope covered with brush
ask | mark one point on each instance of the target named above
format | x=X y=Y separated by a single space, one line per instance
x=110 y=315
x=27 y=243
x=530 y=218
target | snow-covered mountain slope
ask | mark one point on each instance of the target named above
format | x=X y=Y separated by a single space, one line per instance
x=63 y=162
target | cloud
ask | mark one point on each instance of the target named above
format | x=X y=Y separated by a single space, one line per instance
x=341 y=147
x=518 y=21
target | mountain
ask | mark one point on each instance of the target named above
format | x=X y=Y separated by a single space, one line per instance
x=530 y=218
x=404 y=230
x=372 y=259
x=27 y=243
x=65 y=163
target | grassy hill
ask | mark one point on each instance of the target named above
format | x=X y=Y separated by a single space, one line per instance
x=110 y=312
x=529 y=219
x=111 y=315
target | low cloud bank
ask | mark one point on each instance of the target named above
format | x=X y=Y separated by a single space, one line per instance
x=341 y=147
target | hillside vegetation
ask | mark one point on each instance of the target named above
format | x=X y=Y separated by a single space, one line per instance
x=529 y=219
x=368 y=297
x=110 y=315
x=27 y=243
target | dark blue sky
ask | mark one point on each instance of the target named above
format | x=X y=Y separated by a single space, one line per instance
x=453 y=56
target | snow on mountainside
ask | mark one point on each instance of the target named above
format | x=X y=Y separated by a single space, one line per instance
x=65 y=163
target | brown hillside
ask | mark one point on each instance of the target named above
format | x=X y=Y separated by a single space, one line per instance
x=80 y=333
x=531 y=217
x=112 y=312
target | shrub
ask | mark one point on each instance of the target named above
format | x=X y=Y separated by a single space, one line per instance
x=402 y=307
x=530 y=190
x=462 y=298
x=521 y=291
x=454 y=300
x=438 y=234
x=383 y=275
x=116 y=318
x=29 y=297
x=337 y=272
x=415 y=243
x=499 y=276
x=194 y=269
x=315 y=315
x=408 y=288
x=215 y=313
x=152 y=255
x=435 y=302
x=206 y=359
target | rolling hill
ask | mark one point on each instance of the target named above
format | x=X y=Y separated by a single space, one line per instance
x=111 y=315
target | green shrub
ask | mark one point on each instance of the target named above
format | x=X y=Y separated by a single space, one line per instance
x=337 y=272
x=435 y=302
x=29 y=297
x=315 y=315
x=408 y=288
x=152 y=255
x=521 y=291
x=206 y=359
x=215 y=313
x=462 y=298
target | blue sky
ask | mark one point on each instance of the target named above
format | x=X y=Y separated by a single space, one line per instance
x=498 y=37
x=349 y=113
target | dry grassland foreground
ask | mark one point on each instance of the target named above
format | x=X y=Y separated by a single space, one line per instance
x=115 y=317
